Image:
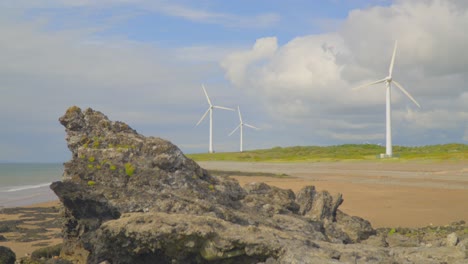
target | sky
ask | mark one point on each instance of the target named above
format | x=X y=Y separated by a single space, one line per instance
x=289 y=65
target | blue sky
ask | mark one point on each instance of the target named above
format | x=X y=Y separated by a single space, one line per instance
x=289 y=65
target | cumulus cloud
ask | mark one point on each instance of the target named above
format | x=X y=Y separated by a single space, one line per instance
x=304 y=84
x=236 y=64
x=288 y=75
x=434 y=45
x=309 y=79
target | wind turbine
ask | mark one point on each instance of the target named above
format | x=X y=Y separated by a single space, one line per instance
x=210 y=110
x=388 y=83
x=241 y=125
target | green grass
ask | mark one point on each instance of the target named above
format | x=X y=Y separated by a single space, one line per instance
x=348 y=152
x=246 y=173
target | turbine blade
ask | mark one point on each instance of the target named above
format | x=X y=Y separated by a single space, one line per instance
x=390 y=70
x=369 y=84
x=224 y=108
x=240 y=117
x=406 y=92
x=206 y=94
x=234 y=130
x=251 y=126
x=201 y=119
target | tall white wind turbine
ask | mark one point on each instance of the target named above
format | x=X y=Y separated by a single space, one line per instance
x=388 y=83
x=210 y=110
x=240 y=126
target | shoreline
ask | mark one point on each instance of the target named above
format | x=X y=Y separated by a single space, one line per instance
x=31 y=200
x=389 y=195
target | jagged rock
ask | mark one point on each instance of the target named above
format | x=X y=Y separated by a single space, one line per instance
x=114 y=172
x=463 y=246
x=432 y=255
x=377 y=240
x=399 y=240
x=269 y=199
x=452 y=239
x=7 y=256
x=340 y=227
x=134 y=199
x=318 y=205
x=355 y=227
x=176 y=238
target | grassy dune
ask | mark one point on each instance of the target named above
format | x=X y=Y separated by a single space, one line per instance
x=455 y=152
x=247 y=173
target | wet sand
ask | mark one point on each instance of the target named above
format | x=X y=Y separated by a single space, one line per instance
x=387 y=193
x=36 y=226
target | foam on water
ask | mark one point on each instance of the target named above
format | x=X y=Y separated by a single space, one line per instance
x=26 y=184
x=25 y=187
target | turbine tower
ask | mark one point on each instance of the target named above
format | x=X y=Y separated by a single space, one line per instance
x=388 y=83
x=241 y=125
x=210 y=110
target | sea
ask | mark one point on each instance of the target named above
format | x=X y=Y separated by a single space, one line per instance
x=23 y=184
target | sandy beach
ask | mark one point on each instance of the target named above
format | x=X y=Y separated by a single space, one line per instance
x=31 y=227
x=388 y=194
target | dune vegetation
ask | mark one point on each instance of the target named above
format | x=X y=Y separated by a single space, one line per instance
x=347 y=152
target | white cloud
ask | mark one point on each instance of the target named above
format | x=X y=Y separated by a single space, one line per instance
x=434 y=45
x=179 y=9
x=43 y=72
x=298 y=78
x=37 y=61
x=309 y=79
x=435 y=119
x=236 y=63
x=304 y=84
x=205 y=16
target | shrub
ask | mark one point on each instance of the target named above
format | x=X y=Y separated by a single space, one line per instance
x=47 y=252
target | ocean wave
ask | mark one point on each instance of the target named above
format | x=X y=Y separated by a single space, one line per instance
x=24 y=187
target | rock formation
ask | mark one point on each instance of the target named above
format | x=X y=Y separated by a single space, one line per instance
x=134 y=199
x=7 y=256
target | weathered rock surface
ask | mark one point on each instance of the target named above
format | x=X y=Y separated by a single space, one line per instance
x=7 y=256
x=134 y=199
